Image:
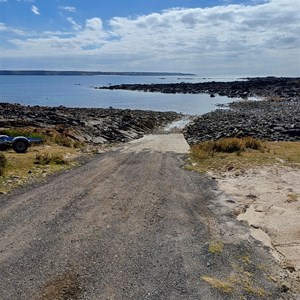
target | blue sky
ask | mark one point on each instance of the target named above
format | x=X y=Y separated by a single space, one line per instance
x=220 y=37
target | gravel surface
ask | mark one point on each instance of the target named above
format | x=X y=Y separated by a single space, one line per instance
x=130 y=224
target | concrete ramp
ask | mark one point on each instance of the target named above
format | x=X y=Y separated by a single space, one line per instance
x=159 y=143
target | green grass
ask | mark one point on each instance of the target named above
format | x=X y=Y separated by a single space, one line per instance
x=58 y=135
x=22 y=132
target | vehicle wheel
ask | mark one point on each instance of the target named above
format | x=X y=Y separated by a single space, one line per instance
x=20 y=145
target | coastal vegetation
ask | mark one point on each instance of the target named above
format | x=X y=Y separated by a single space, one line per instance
x=3 y=163
x=242 y=153
x=36 y=163
x=58 y=152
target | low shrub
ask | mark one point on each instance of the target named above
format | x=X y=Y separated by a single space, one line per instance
x=226 y=145
x=252 y=143
x=3 y=163
x=63 y=141
x=229 y=145
x=46 y=159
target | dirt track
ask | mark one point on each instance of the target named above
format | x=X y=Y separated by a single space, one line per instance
x=131 y=224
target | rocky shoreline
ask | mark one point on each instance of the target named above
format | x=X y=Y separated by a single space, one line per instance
x=266 y=120
x=273 y=87
x=274 y=119
x=88 y=125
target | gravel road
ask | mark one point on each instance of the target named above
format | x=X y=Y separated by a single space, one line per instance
x=130 y=224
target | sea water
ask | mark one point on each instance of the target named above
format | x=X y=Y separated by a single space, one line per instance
x=79 y=91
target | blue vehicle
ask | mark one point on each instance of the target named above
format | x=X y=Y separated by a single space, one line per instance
x=20 y=144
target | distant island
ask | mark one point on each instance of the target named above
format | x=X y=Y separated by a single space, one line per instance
x=88 y=73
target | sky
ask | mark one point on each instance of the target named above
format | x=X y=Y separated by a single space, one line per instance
x=208 y=38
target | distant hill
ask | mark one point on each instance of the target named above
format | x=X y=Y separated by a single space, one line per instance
x=89 y=73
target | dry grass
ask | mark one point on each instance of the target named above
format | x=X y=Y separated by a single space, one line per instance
x=67 y=286
x=35 y=163
x=47 y=159
x=3 y=163
x=227 y=145
x=216 y=247
x=224 y=286
x=240 y=281
x=292 y=198
x=55 y=155
x=205 y=156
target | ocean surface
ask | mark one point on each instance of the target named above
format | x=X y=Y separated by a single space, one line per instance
x=79 y=91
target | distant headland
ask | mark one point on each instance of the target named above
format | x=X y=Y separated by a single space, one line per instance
x=88 y=73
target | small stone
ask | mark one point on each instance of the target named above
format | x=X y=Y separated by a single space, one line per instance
x=255 y=226
x=289 y=266
x=285 y=287
x=230 y=201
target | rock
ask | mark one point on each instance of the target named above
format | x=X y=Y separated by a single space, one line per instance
x=271 y=87
x=285 y=287
x=273 y=121
x=89 y=125
x=289 y=266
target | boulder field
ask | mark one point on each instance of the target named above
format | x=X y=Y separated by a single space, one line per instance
x=266 y=120
x=91 y=125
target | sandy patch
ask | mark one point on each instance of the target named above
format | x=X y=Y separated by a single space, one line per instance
x=268 y=199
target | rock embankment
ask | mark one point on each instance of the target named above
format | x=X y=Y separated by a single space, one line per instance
x=92 y=125
x=267 y=120
x=279 y=87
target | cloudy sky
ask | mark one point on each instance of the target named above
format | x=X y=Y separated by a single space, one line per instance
x=218 y=37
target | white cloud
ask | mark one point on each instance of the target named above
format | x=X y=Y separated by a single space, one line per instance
x=35 y=10
x=3 y=1
x=5 y=28
x=56 y=44
x=75 y=25
x=94 y=24
x=70 y=9
x=261 y=38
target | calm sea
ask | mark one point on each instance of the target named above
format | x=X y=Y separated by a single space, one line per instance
x=78 y=91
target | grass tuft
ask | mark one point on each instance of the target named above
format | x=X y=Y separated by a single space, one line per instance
x=3 y=163
x=225 y=287
x=227 y=145
x=46 y=159
x=216 y=247
x=292 y=198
